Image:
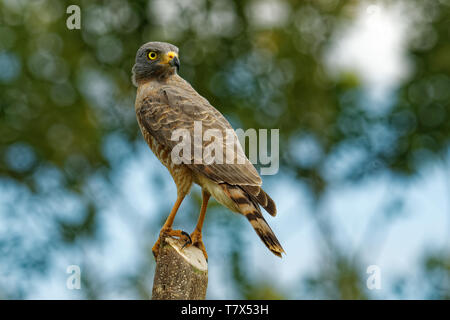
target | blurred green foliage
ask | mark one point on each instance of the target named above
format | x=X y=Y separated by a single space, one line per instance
x=64 y=92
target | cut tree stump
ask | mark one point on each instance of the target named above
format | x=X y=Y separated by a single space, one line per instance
x=180 y=274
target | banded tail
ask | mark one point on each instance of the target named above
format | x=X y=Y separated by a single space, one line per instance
x=248 y=206
x=262 y=198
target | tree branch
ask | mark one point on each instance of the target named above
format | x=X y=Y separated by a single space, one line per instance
x=181 y=274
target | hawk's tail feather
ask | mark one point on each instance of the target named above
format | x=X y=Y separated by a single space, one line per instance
x=262 y=198
x=264 y=232
x=268 y=204
x=249 y=208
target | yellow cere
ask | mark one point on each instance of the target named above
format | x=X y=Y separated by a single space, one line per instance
x=171 y=55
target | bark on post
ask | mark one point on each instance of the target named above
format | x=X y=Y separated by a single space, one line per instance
x=180 y=274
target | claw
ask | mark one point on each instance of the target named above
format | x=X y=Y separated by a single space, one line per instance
x=188 y=239
x=197 y=241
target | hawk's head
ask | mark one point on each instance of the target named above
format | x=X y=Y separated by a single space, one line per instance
x=155 y=60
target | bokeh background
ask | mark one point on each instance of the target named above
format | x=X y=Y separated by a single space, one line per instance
x=360 y=91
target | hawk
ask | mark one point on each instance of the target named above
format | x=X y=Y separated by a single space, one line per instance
x=166 y=102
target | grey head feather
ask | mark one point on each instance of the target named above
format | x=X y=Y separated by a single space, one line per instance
x=144 y=68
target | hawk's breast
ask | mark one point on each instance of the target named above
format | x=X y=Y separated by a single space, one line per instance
x=181 y=174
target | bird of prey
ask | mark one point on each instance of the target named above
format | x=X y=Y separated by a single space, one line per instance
x=166 y=102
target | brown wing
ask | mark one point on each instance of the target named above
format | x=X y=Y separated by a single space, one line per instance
x=178 y=107
x=172 y=108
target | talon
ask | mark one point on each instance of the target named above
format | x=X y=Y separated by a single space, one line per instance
x=188 y=239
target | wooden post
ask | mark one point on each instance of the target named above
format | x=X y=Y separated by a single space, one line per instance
x=181 y=274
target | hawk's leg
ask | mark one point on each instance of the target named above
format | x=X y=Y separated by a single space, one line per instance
x=166 y=230
x=196 y=236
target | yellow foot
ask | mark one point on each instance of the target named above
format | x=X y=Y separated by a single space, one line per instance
x=197 y=241
x=170 y=233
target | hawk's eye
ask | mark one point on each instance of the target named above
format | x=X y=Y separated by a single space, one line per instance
x=152 y=55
